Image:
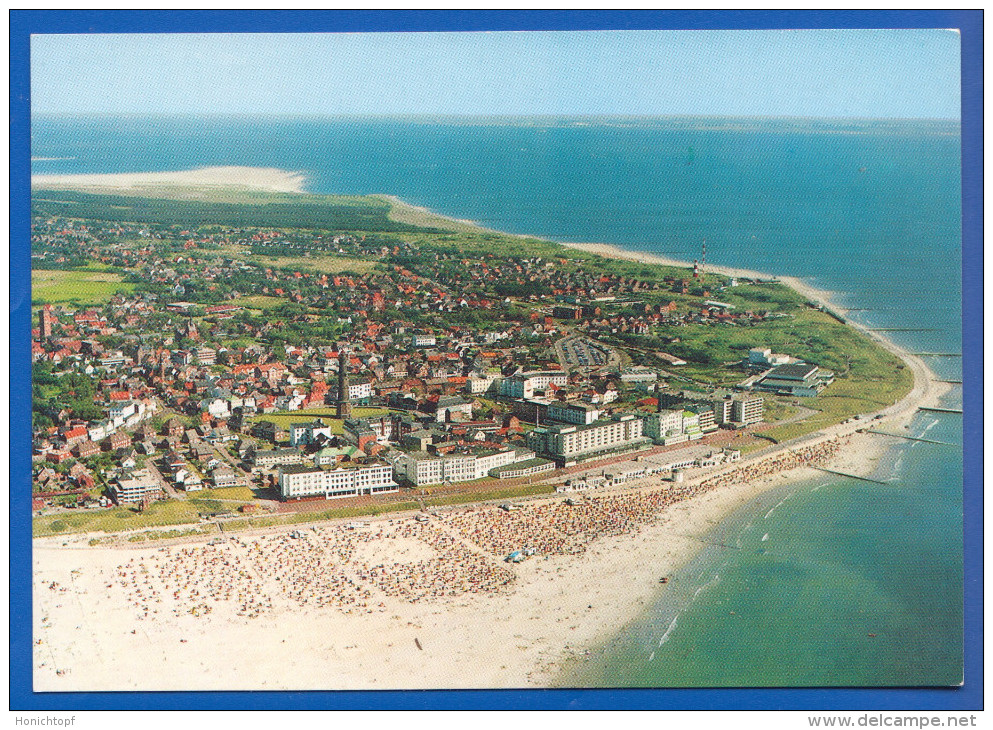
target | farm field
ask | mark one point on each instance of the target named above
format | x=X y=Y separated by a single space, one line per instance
x=82 y=286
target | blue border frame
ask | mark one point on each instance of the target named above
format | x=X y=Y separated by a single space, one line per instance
x=24 y=23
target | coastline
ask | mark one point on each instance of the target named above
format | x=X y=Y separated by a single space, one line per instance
x=268 y=179
x=558 y=606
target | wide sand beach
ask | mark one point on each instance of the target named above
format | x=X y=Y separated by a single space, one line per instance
x=253 y=178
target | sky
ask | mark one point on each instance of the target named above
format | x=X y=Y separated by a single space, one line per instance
x=807 y=73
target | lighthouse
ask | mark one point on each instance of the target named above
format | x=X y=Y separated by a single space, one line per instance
x=344 y=407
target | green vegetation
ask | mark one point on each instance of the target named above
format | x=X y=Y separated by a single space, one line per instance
x=775 y=410
x=521 y=490
x=335 y=213
x=241 y=494
x=285 y=418
x=262 y=302
x=169 y=512
x=81 y=286
x=50 y=394
x=153 y=535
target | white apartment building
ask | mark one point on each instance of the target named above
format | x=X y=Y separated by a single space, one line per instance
x=691 y=425
x=747 y=409
x=421 y=468
x=663 y=424
x=358 y=391
x=579 y=413
x=297 y=481
x=137 y=487
x=275 y=457
x=524 y=385
x=764 y=357
x=478 y=385
x=568 y=442
x=121 y=412
x=723 y=411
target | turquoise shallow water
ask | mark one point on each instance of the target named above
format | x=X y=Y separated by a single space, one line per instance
x=825 y=582
x=866 y=210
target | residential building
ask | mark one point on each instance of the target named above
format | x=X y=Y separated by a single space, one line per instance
x=691 y=425
x=371 y=477
x=86 y=449
x=568 y=443
x=477 y=385
x=524 y=385
x=224 y=476
x=308 y=432
x=747 y=409
x=706 y=417
x=205 y=355
x=573 y=412
x=453 y=408
x=267 y=459
x=423 y=340
x=421 y=468
x=137 y=487
x=664 y=424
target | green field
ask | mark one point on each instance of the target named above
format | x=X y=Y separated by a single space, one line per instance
x=81 y=286
x=262 y=302
x=240 y=494
x=283 y=419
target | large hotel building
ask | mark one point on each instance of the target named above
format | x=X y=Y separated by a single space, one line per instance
x=571 y=443
x=297 y=481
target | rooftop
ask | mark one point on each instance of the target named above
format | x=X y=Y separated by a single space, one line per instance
x=796 y=371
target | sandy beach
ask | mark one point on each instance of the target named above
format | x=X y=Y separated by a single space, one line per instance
x=106 y=618
x=253 y=178
x=401 y=603
x=352 y=609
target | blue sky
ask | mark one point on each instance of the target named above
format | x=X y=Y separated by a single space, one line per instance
x=820 y=73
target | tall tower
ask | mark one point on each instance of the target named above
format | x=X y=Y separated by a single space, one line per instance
x=703 y=261
x=47 y=320
x=344 y=407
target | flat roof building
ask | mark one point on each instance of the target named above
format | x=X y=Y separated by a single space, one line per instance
x=298 y=481
x=800 y=379
x=567 y=443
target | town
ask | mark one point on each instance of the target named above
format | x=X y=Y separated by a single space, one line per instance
x=247 y=369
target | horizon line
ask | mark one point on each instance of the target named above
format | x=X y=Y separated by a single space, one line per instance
x=496 y=115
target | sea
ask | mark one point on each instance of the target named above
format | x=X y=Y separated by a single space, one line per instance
x=828 y=582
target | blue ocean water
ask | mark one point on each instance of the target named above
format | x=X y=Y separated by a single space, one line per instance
x=868 y=210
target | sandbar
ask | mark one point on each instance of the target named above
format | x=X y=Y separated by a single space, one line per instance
x=253 y=178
